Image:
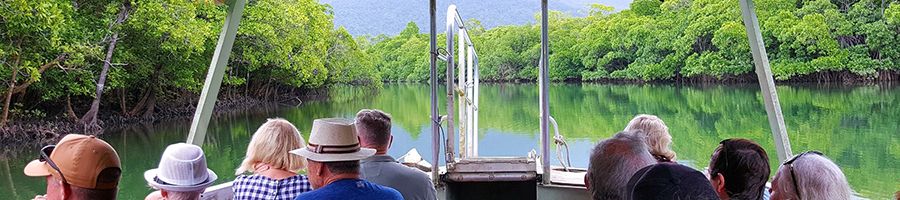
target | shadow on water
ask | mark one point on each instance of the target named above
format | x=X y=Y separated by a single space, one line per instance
x=857 y=126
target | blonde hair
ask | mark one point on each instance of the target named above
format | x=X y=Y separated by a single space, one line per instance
x=271 y=145
x=656 y=133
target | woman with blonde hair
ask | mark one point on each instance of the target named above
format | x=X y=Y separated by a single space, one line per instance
x=269 y=171
x=656 y=135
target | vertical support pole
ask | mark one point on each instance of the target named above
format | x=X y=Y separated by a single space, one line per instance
x=544 y=80
x=435 y=120
x=766 y=82
x=475 y=95
x=216 y=71
x=451 y=26
x=461 y=84
x=470 y=104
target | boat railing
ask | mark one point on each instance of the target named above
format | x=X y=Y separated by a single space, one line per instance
x=463 y=69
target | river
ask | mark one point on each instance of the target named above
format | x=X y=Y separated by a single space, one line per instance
x=857 y=126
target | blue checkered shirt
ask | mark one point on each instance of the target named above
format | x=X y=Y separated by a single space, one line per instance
x=248 y=187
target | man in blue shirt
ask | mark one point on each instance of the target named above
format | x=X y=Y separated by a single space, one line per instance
x=374 y=128
x=333 y=155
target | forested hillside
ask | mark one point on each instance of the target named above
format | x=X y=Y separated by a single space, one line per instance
x=675 y=40
x=139 y=53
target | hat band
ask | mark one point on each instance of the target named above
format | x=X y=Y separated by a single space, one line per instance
x=333 y=149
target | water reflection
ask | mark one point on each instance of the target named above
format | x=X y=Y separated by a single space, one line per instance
x=858 y=127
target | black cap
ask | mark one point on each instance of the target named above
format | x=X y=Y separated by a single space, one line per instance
x=669 y=181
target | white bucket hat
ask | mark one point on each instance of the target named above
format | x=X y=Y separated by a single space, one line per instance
x=333 y=140
x=182 y=168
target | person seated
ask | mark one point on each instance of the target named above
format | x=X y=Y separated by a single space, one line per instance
x=612 y=163
x=182 y=174
x=268 y=170
x=669 y=181
x=333 y=156
x=374 y=128
x=810 y=175
x=78 y=167
x=739 y=169
x=656 y=135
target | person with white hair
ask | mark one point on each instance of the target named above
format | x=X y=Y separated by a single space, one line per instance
x=182 y=174
x=613 y=162
x=810 y=175
x=656 y=135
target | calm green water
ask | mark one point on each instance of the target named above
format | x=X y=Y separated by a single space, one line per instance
x=858 y=127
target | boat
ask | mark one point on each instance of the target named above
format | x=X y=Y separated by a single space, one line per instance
x=465 y=174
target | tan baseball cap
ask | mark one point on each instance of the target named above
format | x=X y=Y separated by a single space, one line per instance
x=85 y=161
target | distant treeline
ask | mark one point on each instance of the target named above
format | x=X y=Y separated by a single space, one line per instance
x=673 y=40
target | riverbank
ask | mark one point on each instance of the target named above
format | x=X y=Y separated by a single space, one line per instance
x=47 y=130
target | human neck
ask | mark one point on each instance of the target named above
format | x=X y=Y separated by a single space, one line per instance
x=337 y=177
x=272 y=172
x=380 y=151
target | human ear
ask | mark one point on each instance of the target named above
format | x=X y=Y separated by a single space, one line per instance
x=719 y=185
x=390 y=142
x=587 y=182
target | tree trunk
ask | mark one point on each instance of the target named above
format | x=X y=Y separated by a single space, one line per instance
x=151 y=104
x=8 y=99
x=90 y=118
x=151 y=94
x=122 y=101
x=69 y=112
x=10 y=88
x=140 y=105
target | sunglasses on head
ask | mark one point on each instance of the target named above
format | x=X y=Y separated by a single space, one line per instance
x=45 y=157
x=789 y=163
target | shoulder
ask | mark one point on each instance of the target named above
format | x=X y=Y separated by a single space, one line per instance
x=389 y=193
x=242 y=180
x=410 y=173
x=314 y=194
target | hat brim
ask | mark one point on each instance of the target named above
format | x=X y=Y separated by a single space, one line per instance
x=36 y=168
x=334 y=157
x=150 y=176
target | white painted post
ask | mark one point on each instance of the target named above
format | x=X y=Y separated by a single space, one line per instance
x=766 y=81
x=470 y=94
x=216 y=72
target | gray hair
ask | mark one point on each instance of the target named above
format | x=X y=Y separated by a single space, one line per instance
x=614 y=161
x=817 y=178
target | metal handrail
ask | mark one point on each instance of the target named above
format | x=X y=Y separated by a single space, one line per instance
x=466 y=88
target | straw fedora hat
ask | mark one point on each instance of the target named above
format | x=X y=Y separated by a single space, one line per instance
x=333 y=140
x=182 y=168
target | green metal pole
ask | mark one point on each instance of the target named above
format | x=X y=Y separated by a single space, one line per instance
x=216 y=72
x=766 y=82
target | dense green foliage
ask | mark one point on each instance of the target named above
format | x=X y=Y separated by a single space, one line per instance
x=164 y=48
x=675 y=39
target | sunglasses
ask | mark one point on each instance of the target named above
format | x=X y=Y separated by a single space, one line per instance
x=45 y=157
x=789 y=164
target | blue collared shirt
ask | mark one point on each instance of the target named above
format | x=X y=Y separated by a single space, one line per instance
x=351 y=189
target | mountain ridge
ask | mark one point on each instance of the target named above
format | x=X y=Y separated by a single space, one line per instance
x=389 y=17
